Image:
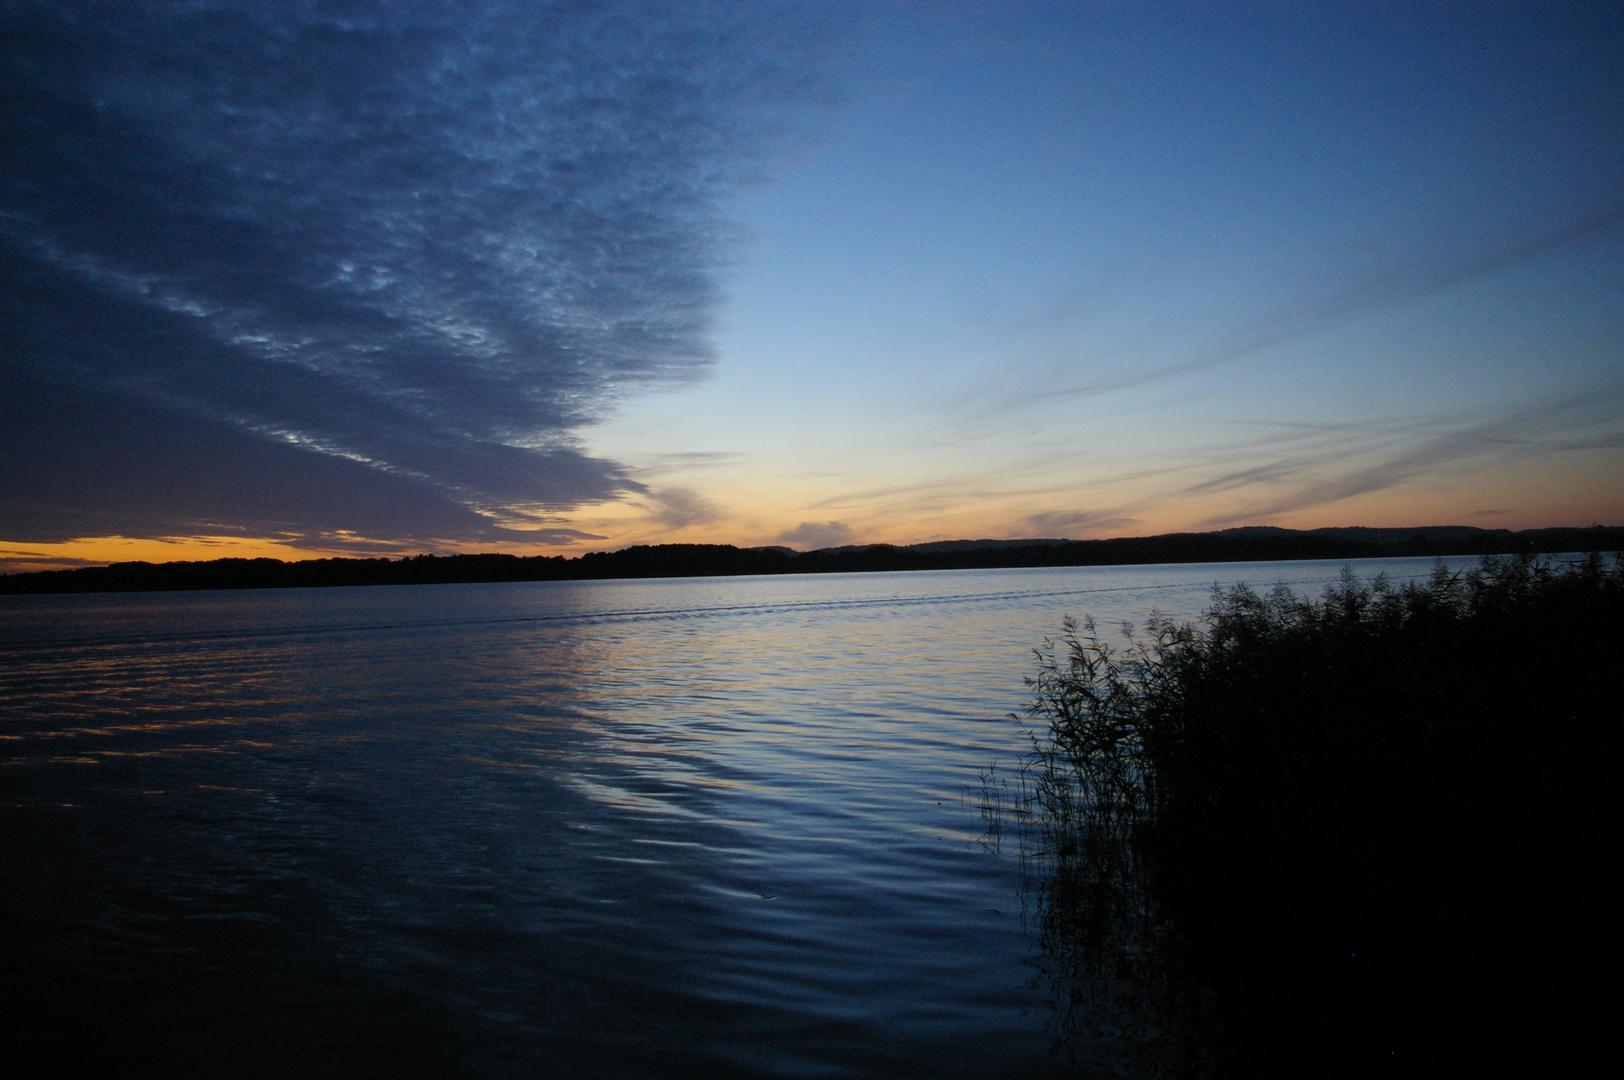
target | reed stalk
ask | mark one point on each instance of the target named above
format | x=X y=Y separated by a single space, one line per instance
x=1339 y=836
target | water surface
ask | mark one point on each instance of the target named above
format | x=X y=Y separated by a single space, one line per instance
x=706 y=827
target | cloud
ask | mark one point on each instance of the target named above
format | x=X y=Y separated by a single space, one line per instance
x=21 y=562
x=355 y=266
x=695 y=459
x=1587 y=421
x=812 y=535
x=1392 y=283
x=76 y=462
x=1069 y=523
x=1388 y=286
x=678 y=508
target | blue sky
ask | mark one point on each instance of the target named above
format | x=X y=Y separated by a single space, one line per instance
x=1072 y=270
x=343 y=277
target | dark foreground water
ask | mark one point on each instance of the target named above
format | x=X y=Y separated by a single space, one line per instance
x=701 y=827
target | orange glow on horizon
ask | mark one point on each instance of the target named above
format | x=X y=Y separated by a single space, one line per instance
x=628 y=530
x=101 y=550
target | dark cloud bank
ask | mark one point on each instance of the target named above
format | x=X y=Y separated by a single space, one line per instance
x=318 y=269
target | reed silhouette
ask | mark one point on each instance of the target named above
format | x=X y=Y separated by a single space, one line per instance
x=1369 y=834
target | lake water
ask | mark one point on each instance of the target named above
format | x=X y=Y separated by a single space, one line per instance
x=696 y=827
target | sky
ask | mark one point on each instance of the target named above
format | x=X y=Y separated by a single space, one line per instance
x=297 y=279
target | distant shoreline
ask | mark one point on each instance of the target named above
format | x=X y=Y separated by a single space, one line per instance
x=1250 y=544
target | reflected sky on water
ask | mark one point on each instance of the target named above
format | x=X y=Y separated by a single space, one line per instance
x=643 y=828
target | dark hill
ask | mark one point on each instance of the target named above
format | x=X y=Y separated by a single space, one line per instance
x=1252 y=544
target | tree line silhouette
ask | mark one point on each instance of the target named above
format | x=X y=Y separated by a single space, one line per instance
x=1252 y=544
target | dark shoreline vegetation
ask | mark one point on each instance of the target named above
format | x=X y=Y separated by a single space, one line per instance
x=1367 y=835
x=1250 y=544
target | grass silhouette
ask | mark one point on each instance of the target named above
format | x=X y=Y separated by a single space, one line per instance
x=1368 y=834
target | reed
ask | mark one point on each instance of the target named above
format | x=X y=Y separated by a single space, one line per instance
x=1356 y=835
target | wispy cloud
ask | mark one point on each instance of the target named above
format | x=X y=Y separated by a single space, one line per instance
x=1377 y=289
x=1075 y=524
x=1587 y=421
x=678 y=508
x=698 y=459
x=1278 y=469
x=353 y=266
x=1381 y=286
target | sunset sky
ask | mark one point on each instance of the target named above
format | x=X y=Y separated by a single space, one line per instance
x=373 y=278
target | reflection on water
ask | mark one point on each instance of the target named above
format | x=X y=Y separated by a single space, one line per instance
x=654 y=828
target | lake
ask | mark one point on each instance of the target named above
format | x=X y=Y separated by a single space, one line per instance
x=691 y=827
